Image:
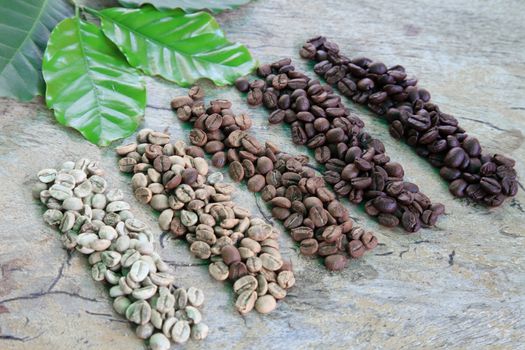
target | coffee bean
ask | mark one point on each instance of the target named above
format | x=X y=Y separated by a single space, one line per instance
x=242 y=84
x=387 y=205
x=230 y=255
x=335 y=262
x=490 y=185
x=256 y=183
x=245 y=302
x=388 y=220
x=198 y=137
x=437 y=135
x=236 y=171
x=237 y=270
x=255 y=97
x=410 y=221
x=356 y=248
x=264 y=165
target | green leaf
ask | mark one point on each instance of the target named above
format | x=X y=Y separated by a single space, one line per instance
x=90 y=85
x=24 y=29
x=188 y=5
x=177 y=46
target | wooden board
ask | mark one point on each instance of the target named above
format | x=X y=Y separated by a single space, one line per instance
x=460 y=285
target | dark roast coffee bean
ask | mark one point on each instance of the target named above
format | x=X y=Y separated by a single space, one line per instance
x=387 y=205
x=284 y=102
x=412 y=116
x=410 y=221
x=270 y=99
x=280 y=81
x=242 y=84
x=388 y=220
x=255 y=97
x=455 y=157
x=490 y=185
x=264 y=70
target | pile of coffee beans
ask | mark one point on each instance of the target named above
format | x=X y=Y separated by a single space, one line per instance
x=299 y=198
x=436 y=136
x=198 y=206
x=96 y=221
x=356 y=164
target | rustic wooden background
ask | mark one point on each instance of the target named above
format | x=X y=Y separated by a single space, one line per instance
x=460 y=285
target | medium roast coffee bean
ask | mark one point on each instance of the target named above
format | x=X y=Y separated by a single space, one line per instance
x=256 y=183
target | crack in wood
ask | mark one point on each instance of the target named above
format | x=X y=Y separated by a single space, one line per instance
x=401 y=253
x=173 y=263
x=266 y=218
x=159 y=108
x=108 y=316
x=516 y=204
x=484 y=123
x=43 y=294
x=384 y=254
x=59 y=275
x=162 y=238
x=451 y=258
x=17 y=338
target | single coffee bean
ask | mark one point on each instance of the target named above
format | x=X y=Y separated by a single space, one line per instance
x=198 y=137
x=237 y=270
x=265 y=304
x=181 y=101
x=309 y=247
x=335 y=262
x=256 y=183
x=264 y=165
x=230 y=255
x=455 y=157
x=245 y=302
x=356 y=248
x=410 y=221
x=242 y=84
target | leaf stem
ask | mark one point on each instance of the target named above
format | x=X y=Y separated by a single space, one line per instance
x=91 y=11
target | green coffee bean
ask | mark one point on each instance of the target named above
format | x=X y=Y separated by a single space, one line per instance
x=139 y=312
x=121 y=304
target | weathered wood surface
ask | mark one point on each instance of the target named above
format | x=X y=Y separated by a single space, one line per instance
x=460 y=285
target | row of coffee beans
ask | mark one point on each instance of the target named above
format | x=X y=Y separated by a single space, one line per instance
x=97 y=222
x=198 y=206
x=356 y=164
x=299 y=198
x=435 y=135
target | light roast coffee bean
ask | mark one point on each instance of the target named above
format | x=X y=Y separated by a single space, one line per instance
x=200 y=208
